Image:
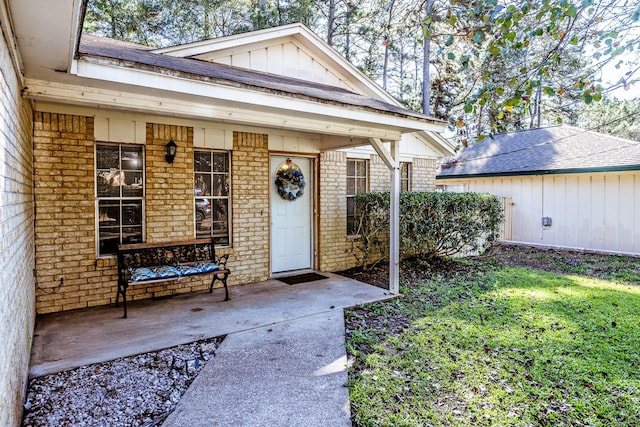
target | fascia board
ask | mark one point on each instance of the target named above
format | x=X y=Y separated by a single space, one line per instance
x=222 y=43
x=6 y=28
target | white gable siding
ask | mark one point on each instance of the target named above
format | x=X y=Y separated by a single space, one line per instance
x=283 y=57
x=598 y=211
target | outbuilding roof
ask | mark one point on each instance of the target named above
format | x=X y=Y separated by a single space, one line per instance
x=558 y=149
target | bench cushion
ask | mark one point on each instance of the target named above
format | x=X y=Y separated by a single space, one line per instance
x=206 y=267
x=166 y=272
x=144 y=273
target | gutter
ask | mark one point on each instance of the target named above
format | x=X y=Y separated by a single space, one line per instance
x=603 y=169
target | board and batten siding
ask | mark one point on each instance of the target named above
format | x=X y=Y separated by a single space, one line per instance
x=283 y=57
x=594 y=211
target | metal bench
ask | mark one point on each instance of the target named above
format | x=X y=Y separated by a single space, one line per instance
x=143 y=263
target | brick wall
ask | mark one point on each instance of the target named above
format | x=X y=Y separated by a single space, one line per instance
x=379 y=174
x=17 y=285
x=250 y=181
x=423 y=175
x=67 y=273
x=334 y=246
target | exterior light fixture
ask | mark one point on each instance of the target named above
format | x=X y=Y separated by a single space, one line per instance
x=171 y=148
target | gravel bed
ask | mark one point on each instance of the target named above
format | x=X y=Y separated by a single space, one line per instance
x=139 y=390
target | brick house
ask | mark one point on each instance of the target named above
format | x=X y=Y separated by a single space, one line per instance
x=84 y=130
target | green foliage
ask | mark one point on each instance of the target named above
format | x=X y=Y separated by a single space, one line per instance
x=611 y=116
x=432 y=225
x=371 y=227
x=437 y=225
x=542 y=57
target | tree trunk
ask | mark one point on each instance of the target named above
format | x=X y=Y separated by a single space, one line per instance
x=387 y=42
x=331 y=21
x=426 y=78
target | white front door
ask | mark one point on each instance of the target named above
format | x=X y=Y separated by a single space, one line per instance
x=291 y=219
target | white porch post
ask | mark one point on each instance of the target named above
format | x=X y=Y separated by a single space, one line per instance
x=391 y=160
x=394 y=223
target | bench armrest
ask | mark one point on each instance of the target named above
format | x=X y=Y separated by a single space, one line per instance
x=221 y=261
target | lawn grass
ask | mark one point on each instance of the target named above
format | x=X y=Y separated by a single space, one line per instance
x=498 y=346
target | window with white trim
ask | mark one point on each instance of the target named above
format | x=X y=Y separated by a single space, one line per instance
x=212 y=195
x=357 y=182
x=119 y=195
x=405 y=176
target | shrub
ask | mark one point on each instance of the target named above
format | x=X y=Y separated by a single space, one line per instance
x=437 y=225
x=371 y=227
x=432 y=225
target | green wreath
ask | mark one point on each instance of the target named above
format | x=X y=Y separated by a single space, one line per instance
x=290 y=181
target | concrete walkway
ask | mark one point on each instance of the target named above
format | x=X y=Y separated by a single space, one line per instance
x=281 y=364
x=288 y=374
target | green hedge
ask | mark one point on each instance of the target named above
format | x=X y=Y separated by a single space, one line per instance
x=431 y=224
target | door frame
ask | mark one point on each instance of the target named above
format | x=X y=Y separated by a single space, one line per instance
x=313 y=192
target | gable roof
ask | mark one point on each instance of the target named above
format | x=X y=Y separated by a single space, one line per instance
x=100 y=49
x=553 y=150
x=297 y=34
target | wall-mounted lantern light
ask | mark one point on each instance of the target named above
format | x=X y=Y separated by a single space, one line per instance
x=171 y=148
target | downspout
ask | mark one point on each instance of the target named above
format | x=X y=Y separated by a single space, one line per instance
x=391 y=160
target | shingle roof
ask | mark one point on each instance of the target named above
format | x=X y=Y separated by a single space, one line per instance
x=124 y=54
x=546 y=150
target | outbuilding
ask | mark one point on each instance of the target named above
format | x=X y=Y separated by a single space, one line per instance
x=563 y=186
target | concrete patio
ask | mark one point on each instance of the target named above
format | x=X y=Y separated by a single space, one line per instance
x=67 y=340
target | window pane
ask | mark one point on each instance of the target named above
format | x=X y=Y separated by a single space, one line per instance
x=132 y=212
x=131 y=234
x=203 y=216
x=108 y=157
x=361 y=168
x=132 y=184
x=351 y=186
x=220 y=215
x=109 y=226
x=202 y=161
x=220 y=162
x=350 y=206
x=221 y=221
x=404 y=170
x=351 y=168
x=202 y=184
x=108 y=182
x=362 y=185
x=132 y=158
x=220 y=185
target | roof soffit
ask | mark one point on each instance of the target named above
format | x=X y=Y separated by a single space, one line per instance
x=46 y=35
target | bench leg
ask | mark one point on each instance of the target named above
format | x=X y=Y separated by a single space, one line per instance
x=223 y=279
x=122 y=289
x=124 y=300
